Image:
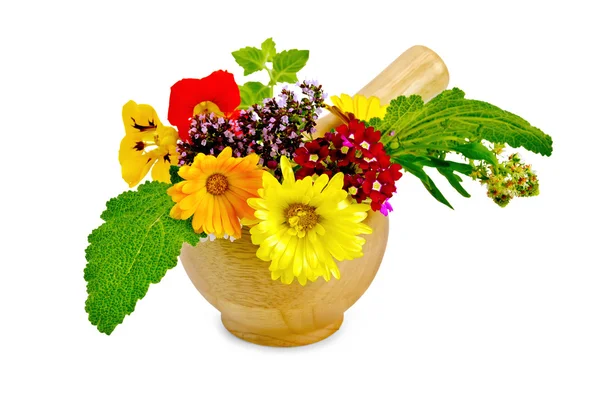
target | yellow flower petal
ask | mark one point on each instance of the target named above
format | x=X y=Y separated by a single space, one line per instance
x=135 y=164
x=218 y=205
x=362 y=107
x=139 y=118
x=160 y=171
x=302 y=225
x=145 y=143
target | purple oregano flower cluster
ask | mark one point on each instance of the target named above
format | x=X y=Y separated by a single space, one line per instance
x=274 y=129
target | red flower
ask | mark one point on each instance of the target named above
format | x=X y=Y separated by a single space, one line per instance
x=342 y=152
x=368 y=152
x=380 y=186
x=312 y=153
x=355 y=150
x=353 y=185
x=216 y=93
x=304 y=172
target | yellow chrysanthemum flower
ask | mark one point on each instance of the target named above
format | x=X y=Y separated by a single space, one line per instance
x=147 y=142
x=303 y=225
x=362 y=107
x=215 y=192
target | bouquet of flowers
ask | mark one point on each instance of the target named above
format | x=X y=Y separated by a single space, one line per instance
x=251 y=156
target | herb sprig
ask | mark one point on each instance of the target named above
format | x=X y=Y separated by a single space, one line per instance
x=281 y=67
x=419 y=135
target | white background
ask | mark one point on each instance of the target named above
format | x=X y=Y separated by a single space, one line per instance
x=479 y=301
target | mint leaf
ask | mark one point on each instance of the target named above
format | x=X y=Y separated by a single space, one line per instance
x=135 y=247
x=268 y=49
x=253 y=92
x=281 y=68
x=250 y=58
x=286 y=64
x=449 y=118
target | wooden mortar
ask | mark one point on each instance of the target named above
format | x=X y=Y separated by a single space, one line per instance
x=237 y=283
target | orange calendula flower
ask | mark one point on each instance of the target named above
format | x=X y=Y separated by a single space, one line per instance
x=147 y=143
x=215 y=191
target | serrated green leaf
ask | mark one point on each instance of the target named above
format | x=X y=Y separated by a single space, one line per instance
x=286 y=64
x=250 y=58
x=253 y=92
x=268 y=49
x=134 y=248
x=401 y=112
x=450 y=119
x=377 y=123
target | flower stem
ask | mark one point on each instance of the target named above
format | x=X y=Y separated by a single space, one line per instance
x=271 y=81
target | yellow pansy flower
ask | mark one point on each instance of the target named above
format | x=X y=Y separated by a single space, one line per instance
x=147 y=144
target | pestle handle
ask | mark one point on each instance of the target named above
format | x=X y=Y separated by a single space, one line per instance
x=418 y=70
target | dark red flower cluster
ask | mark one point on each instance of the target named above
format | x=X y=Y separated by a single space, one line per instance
x=355 y=150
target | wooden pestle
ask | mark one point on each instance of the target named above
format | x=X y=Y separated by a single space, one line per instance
x=418 y=70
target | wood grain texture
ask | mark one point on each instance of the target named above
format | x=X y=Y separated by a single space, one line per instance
x=266 y=312
x=260 y=310
x=418 y=71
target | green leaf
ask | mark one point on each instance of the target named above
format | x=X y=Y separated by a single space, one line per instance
x=253 y=92
x=268 y=49
x=414 y=165
x=174 y=172
x=286 y=64
x=434 y=162
x=134 y=248
x=377 y=123
x=418 y=171
x=476 y=151
x=401 y=112
x=250 y=58
x=454 y=181
x=450 y=119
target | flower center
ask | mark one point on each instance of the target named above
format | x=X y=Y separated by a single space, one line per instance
x=217 y=184
x=301 y=217
x=313 y=158
x=376 y=186
x=207 y=107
